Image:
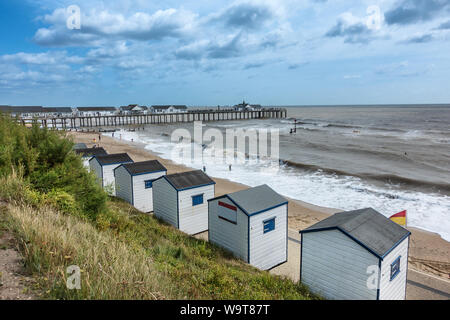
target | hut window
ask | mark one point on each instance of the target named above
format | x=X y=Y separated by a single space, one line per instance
x=196 y=200
x=148 y=184
x=395 y=268
x=269 y=225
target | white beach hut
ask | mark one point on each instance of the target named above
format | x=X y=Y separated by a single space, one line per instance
x=355 y=255
x=252 y=224
x=103 y=166
x=80 y=145
x=87 y=153
x=134 y=182
x=181 y=199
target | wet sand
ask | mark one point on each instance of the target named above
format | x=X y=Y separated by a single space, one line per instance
x=428 y=251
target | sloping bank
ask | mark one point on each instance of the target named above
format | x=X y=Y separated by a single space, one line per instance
x=122 y=253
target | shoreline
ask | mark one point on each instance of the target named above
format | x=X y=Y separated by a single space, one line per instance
x=429 y=252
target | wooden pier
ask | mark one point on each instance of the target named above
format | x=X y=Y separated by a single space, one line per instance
x=76 y=122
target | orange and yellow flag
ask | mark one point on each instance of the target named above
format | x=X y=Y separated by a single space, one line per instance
x=399 y=218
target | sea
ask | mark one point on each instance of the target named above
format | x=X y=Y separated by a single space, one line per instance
x=388 y=157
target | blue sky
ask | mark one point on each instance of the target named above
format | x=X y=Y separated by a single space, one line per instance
x=272 y=52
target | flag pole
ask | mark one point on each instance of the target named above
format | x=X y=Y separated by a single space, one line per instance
x=406 y=219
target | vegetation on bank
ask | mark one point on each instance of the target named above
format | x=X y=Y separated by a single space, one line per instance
x=62 y=217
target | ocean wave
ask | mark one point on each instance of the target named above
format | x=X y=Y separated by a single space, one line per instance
x=344 y=126
x=389 y=179
x=324 y=186
x=308 y=129
x=326 y=125
x=386 y=129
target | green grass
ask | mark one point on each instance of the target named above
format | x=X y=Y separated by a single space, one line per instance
x=201 y=269
x=126 y=254
x=61 y=217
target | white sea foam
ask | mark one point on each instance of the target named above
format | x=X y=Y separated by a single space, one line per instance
x=425 y=210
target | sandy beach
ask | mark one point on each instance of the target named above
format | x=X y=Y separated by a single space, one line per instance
x=429 y=253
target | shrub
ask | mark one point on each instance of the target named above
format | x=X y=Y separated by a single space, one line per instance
x=63 y=201
x=33 y=197
x=46 y=162
x=12 y=187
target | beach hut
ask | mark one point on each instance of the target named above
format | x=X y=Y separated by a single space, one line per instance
x=134 y=182
x=355 y=255
x=80 y=145
x=252 y=224
x=181 y=199
x=103 y=166
x=87 y=153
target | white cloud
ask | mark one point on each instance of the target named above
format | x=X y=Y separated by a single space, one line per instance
x=111 y=51
x=352 y=76
x=44 y=58
x=52 y=68
x=98 y=25
x=138 y=39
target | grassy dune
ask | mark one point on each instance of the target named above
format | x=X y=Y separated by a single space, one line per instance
x=62 y=217
x=130 y=255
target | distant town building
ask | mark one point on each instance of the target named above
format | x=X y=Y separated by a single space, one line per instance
x=96 y=111
x=36 y=111
x=169 y=109
x=57 y=111
x=23 y=111
x=133 y=109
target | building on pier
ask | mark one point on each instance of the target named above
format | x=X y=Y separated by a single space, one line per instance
x=244 y=106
